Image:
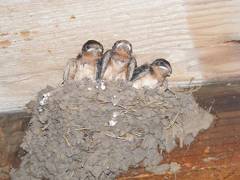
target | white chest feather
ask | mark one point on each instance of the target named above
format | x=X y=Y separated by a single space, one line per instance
x=115 y=72
x=86 y=71
x=147 y=81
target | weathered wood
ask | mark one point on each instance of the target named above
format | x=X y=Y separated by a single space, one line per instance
x=200 y=39
x=12 y=131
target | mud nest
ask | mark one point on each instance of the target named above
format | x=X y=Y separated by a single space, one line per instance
x=79 y=131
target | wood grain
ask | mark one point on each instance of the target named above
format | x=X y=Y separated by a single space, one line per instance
x=200 y=39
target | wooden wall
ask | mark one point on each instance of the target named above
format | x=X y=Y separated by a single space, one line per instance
x=201 y=38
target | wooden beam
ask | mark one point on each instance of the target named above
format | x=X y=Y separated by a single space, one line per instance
x=200 y=39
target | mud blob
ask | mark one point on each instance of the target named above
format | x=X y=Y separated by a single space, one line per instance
x=79 y=131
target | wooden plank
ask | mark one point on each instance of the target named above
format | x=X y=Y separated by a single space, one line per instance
x=12 y=131
x=200 y=39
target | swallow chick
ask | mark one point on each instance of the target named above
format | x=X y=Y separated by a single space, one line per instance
x=86 y=64
x=152 y=75
x=118 y=63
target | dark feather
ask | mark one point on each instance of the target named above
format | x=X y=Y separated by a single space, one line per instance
x=91 y=43
x=163 y=63
x=131 y=68
x=99 y=69
x=104 y=63
x=140 y=72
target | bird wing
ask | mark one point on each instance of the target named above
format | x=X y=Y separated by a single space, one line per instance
x=99 y=69
x=140 y=72
x=70 y=69
x=104 y=63
x=131 y=67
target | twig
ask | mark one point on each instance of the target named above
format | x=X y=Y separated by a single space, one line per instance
x=190 y=89
x=142 y=100
x=115 y=137
x=65 y=138
x=125 y=108
x=173 y=121
x=110 y=135
x=211 y=106
x=103 y=102
x=193 y=89
x=121 y=106
x=160 y=103
x=153 y=102
x=94 y=177
x=72 y=174
x=171 y=92
x=45 y=126
x=82 y=129
x=76 y=125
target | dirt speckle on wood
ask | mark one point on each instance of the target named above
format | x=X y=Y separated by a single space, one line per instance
x=80 y=132
x=5 y=43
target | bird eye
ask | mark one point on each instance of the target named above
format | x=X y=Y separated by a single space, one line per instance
x=99 y=49
x=87 y=47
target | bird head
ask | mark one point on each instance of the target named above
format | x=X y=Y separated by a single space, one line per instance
x=93 y=47
x=161 y=67
x=122 y=47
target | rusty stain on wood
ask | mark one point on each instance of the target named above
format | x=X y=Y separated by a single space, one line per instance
x=5 y=43
x=72 y=17
x=25 y=34
x=233 y=41
x=3 y=33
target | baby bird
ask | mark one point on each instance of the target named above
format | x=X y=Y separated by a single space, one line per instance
x=152 y=75
x=118 y=63
x=86 y=64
